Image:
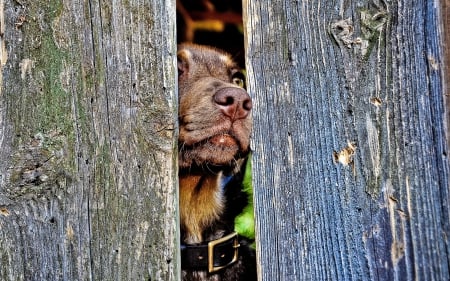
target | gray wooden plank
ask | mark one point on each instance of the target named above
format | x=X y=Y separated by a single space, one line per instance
x=334 y=76
x=88 y=174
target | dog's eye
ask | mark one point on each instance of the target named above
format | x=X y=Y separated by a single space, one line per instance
x=238 y=81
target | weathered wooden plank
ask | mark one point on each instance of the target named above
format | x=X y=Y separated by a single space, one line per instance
x=356 y=77
x=87 y=166
x=445 y=31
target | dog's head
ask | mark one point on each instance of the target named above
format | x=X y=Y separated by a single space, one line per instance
x=214 y=108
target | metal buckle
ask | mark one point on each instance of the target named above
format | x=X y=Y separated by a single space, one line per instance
x=212 y=244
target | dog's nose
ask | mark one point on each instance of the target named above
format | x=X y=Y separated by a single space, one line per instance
x=233 y=102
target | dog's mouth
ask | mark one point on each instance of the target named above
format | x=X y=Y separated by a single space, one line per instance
x=219 y=144
x=220 y=149
x=225 y=140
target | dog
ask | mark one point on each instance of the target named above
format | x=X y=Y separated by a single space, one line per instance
x=214 y=136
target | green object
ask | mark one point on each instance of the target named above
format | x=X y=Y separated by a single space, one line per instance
x=244 y=223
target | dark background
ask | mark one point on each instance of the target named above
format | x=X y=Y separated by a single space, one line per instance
x=208 y=13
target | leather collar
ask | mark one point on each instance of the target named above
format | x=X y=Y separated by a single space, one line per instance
x=212 y=256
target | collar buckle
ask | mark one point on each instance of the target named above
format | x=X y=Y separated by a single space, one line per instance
x=213 y=244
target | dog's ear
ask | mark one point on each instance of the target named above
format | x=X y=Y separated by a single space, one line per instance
x=183 y=61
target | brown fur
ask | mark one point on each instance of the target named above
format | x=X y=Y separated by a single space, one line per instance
x=213 y=139
x=199 y=205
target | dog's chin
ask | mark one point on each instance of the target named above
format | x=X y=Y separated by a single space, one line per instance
x=218 y=151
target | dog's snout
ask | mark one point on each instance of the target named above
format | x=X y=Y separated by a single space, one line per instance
x=233 y=102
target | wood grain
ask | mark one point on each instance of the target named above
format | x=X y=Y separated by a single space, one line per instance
x=326 y=76
x=88 y=174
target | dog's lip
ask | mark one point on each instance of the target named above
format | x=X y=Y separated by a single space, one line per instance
x=223 y=140
x=221 y=135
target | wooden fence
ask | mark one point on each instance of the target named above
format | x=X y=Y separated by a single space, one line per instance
x=350 y=164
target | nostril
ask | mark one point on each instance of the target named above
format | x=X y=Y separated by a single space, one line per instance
x=247 y=104
x=229 y=101
x=224 y=98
